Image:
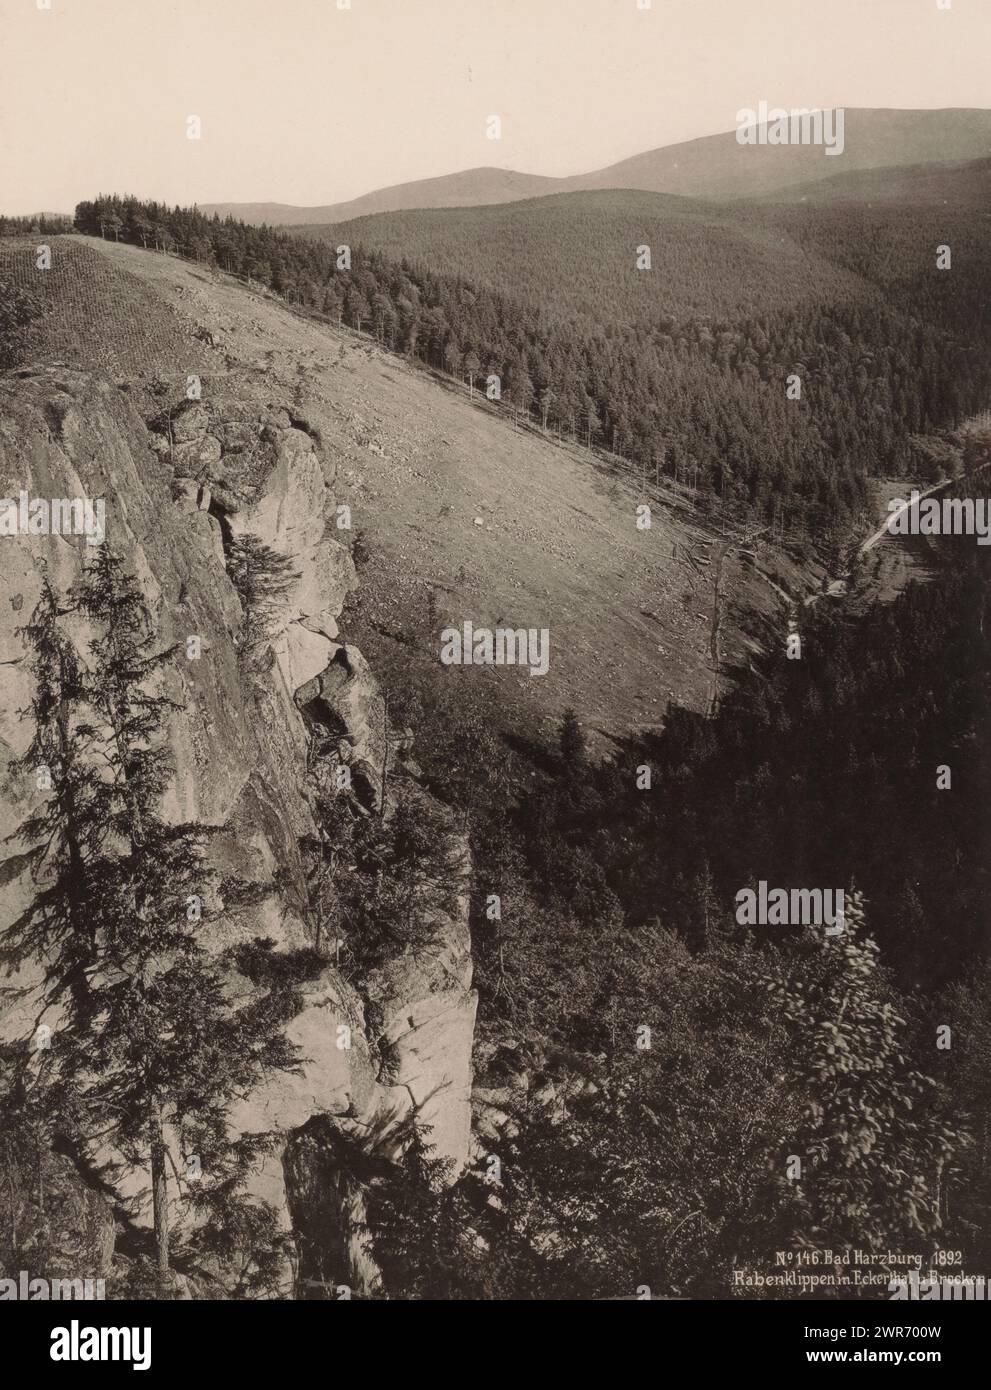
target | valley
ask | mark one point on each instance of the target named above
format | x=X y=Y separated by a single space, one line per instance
x=334 y=969
x=628 y=610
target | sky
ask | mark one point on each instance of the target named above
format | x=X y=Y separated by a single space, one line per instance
x=302 y=102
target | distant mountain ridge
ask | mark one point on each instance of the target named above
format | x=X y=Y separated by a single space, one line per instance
x=713 y=167
x=966 y=184
x=469 y=188
x=571 y=254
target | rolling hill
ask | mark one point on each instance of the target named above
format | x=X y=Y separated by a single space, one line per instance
x=693 y=356
x=684 y=370
x=576 y=254
x=964 y=185
x=846 y=240
x=499 y=525
x=470 y=188
x=715 y=167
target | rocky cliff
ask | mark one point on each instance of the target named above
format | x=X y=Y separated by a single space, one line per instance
x=178 y=486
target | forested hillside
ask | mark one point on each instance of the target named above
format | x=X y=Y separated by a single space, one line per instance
x=967 y=184
x=666 y=375
x=646 y=1065
x=576 y=256
x=849 y=298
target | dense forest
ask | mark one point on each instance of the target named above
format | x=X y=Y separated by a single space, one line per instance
x=701 y=397
x=44 y=224
x=659 y=1158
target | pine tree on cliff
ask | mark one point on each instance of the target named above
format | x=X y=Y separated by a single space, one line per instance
x=63 y=837
x=150 y=1046
x=420 y=1227
x=170 y=1052
x=67 y=828
x=262 y=578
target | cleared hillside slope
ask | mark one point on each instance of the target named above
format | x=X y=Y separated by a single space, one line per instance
x=628 y=611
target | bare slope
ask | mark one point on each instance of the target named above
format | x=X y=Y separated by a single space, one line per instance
x=712 y=167
x=628 y=611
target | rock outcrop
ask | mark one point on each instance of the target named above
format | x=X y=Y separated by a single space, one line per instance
x=242 y=745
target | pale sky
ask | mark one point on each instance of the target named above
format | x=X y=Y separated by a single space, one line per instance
x=301 y=102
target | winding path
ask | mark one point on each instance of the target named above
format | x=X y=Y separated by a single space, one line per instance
x=884 y=529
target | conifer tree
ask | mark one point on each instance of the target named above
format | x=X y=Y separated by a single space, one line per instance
x=407 y=865
x=262 y=578
x=472 y=366
x=170 y=1052
x=418 y=1226
x=67 y=829
x=151 y=1048
x=571 y=739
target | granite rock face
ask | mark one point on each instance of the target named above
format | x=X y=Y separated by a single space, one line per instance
x=242 y=746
